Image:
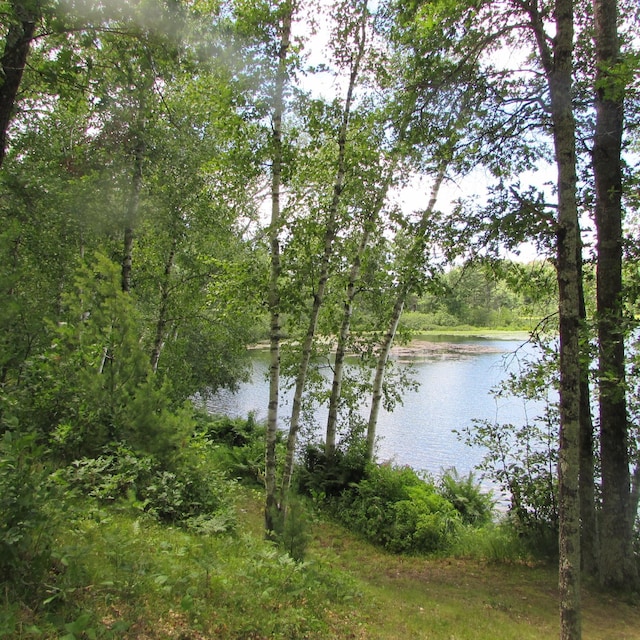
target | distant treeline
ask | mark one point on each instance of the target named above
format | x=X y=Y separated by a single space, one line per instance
x=496 y=295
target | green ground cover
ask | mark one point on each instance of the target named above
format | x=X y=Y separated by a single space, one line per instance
x=120 y=574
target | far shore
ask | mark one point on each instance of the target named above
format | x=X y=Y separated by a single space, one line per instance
x=454 y=342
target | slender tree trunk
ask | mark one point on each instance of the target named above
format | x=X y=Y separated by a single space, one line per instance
x=323 y=277
x=161 y=324
x=589 y=545
x=12 y=64
x=341 y=346
x=275 y=269
x=132 y=214
x=404 y=290
x=558 y=67
x=381 y=364
x=635 y=493
x=617 y=563
x=354 y=274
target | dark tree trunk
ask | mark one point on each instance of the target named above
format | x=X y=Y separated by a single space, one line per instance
x=131 y=216
x=589 y=545
x=617 y=565
x=12 y=64
x=163 y=310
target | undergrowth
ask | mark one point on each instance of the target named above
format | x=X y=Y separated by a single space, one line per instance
x=121 y=574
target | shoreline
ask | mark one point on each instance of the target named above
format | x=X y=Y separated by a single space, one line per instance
x=444 y=343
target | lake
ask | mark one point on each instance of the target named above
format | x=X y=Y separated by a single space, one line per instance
x=455 y=378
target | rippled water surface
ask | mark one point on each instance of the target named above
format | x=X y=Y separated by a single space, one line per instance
x=454 y=389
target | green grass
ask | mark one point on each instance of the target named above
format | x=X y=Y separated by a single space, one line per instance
x=119 y=574
x=471 y=333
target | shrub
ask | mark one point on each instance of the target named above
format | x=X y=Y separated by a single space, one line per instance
x=322 y=476
x=112 y=475
x=396 y=508
x=193 y=492
x=464 y=493
x=236 y=445
x=25 y=524
x=233 y=432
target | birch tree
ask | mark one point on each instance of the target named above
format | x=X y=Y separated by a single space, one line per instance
x=285 y=17
x=356 y=27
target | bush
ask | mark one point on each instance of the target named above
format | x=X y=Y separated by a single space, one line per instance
x=112 y=475
x=233 y=432
x=322 y=476
x=25 y=523
x=401 y=511
x=236 y=445
x=192 y=493
x=465 y=494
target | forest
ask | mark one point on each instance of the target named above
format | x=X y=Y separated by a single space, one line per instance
x=183 y=181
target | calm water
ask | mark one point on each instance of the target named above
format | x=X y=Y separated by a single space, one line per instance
x=454 y=389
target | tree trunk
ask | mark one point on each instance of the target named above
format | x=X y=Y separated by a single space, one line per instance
x=12 y=64
x=617 y=564
x=635 y=493
x=341 y=346
x=274 y=277
x=558 y=67
x=589 y=545
x=323 y=277
x=405 y=289
x=354 y=274
x=132 y=214
x=161 y=324
x=381 y=364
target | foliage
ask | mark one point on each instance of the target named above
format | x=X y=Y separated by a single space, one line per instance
x=27 y=517
x=394 y=507
x=94 y=385
x=465 y=494
x=498 y=542
x=291 y=529
x=192 y=492
x=232 y=432
x=237 y=445
x=321 y=476
x=123 y=576
x=522 y=459
x=498 y=294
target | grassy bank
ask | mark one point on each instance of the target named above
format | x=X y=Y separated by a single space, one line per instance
x=471 y=333
x=120 y=575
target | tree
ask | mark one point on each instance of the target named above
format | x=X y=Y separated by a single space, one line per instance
x=617 y=564
x=356 y=27
x=556 y=57
x=22 y=20
x=284 y=17
x=66 y=187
